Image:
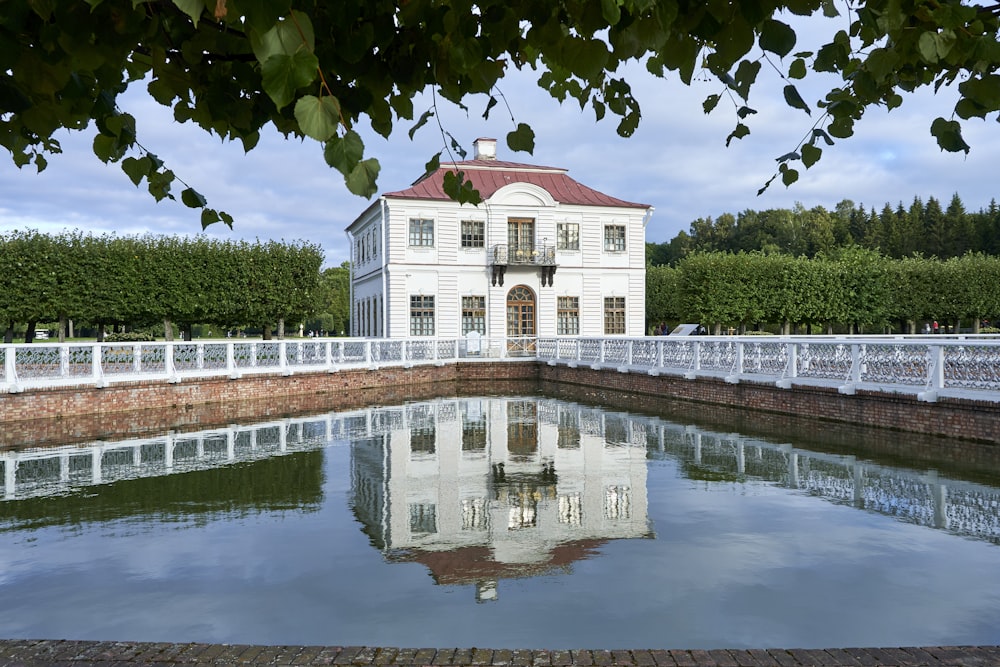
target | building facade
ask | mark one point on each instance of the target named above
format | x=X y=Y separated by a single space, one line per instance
x=542 y=255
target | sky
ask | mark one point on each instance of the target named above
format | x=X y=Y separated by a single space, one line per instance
x=677 y=162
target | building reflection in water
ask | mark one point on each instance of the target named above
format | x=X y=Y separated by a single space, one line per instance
x=478 y=490
x=487 y=489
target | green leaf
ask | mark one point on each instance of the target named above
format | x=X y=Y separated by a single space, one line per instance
x=794 y=100
x=344 y=153
x=777 y=37
x=745 y=111
x=424 y=117
x=361 y=179
x=710 y=103
x=137 y=168
x=611 y=11
x=318 y=117
x=459 y=189
x=489 y=105
x=192 y=198
x=433 y=164
x=193 y=8
x=810 y=155
x=521 y=139
x=284 y=75
x=746 y=74
x=949 y=135
x=209 y=217
x=261 y=15
x=740 y=132
x=797 y=70
x=928 y=46
x=285 y=38
x=788 y=175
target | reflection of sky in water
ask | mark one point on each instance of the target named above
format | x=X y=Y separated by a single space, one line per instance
x=743 y=563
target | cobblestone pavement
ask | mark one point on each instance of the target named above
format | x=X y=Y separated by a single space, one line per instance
x=32 y=653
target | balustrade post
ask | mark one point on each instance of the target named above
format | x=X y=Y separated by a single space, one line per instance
x=600 y=356
x=200 y=356
x=230 y=358
x=935 y=371
x=137 y=358
x=857 y=354
x=283 y=357
x=629 y=352
x=10 y=368
x=96 y=362
x=791 y=366
x=168 y=361
x=64 y=361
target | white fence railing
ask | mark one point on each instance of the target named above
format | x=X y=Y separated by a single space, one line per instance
x=927 y=366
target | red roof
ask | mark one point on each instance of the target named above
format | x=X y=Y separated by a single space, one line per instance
x=488 y=176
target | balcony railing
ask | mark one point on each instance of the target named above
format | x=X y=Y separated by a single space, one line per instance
x=544 y=255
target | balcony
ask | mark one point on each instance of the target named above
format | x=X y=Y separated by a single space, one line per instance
x=505 y=255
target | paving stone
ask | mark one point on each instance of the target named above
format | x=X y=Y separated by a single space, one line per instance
x=347 y=655
x=54 y=653
x=404 y=656
x=443 y=656
x=482 y=656
x=723 y=658
x=602 y=657
x=561 y=658
x=762 y=657
x=502 y=657
x=385 y=656
x=462 y=656
x=683 y=659
x=643 y=658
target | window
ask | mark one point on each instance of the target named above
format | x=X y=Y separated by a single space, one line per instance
x=474 y=314
x=614 y=316
x=421 y=316
x=421 y=232
x=614 y=238
x=567 y=236
x=521 y=238
x=568 y=316
x=473 y=434
x=473 y=234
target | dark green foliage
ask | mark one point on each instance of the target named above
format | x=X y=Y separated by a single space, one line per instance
x=143 y=281
x=924 y=229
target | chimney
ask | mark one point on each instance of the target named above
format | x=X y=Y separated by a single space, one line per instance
x=486 y=149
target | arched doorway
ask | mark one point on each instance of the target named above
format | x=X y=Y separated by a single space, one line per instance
x=520 y=320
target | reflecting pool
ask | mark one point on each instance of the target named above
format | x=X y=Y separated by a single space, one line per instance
x=501 y=522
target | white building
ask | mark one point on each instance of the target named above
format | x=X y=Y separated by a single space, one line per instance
x=542 y=255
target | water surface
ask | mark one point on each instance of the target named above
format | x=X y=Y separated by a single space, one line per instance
x=518 y=522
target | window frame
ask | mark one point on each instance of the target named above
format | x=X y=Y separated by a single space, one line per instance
x=476 y=237
x=564 y=236
x=615 y=323
x=615 y=238
x=567 y=312
x=473 y=313
x=421 y=233
x=422 y=311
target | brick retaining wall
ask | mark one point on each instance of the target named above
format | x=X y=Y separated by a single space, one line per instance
x=953 y=418
x=78 y=413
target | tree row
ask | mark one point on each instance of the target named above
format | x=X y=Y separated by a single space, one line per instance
x=147 y=281
x=854 y=290
x=926 y=229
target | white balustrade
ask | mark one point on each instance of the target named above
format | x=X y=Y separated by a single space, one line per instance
x=929 y=367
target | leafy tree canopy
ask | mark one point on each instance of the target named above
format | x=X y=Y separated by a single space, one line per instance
x=317 y=69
